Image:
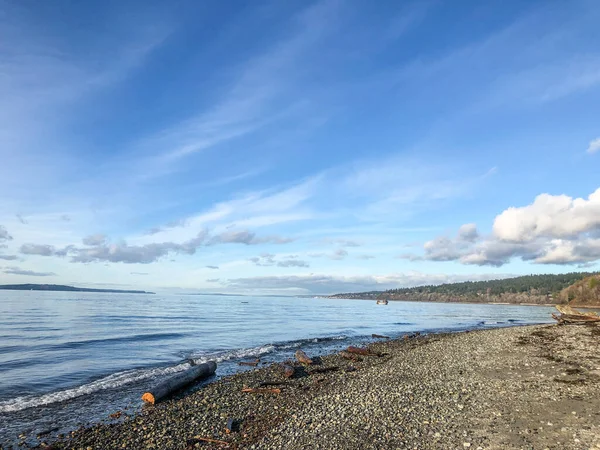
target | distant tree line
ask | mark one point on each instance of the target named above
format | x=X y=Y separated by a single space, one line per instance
x=539 y=284
x=529 y=288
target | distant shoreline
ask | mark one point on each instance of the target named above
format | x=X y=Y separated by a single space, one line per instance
x=63 y=288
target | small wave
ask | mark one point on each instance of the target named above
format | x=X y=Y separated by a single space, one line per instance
x=108 y=341
x=232 y=354
x=300 y=342
x=403 y=323
x=110 y=382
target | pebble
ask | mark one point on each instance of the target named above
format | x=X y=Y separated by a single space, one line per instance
x=429 y=392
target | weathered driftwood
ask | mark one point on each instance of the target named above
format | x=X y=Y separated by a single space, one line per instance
x=570 y=315
x=350 y=356
x=303 y=357
x=379 y=336
x=568 y=310
x=205 y=439
x=249 y=363
x=179 y=381
x=361 y=351
x=288 y=371
x=323 y=370
x=274 y=383
x=262 y=390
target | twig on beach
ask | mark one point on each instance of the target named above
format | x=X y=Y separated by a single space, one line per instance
x=274 y=383
x=323 y=370
x=249 y=363
x=262 y=390
x=205 y=439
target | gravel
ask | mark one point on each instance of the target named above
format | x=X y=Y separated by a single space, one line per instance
x=521 y=387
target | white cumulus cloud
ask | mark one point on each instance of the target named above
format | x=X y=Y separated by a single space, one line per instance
x=549 y=216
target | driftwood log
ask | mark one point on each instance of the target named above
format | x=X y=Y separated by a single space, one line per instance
x=350 y=356
x=379 y=336
x=303 y=357
x=179 y=381
x=570 y=315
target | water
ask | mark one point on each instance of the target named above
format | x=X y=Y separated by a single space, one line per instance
x=68 y=359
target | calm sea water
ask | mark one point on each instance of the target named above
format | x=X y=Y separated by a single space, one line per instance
x=68 y=359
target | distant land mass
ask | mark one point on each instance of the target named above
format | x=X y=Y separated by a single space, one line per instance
x=577 y=288
x=61 y=288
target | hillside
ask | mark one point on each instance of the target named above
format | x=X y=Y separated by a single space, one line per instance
x=585 y=292
x=62 y=288
x=537 y=289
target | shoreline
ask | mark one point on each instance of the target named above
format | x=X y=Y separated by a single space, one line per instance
x=534 y=385
x=460 y=303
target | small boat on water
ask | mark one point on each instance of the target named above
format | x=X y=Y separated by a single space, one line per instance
x=382 y=302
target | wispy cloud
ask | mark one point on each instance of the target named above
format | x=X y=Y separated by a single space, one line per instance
x=268 y=259
x=4 y=236
x=594 y=146
x=31 y=273
x=45 y=85
x=97 y=248
x=328 y=284
x=259 y=97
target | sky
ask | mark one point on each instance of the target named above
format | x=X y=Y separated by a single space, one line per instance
x=298 y=147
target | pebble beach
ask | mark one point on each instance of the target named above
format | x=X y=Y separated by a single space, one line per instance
x=520 y=387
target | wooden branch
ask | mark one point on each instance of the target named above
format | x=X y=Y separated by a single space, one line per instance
x=212 y=441
x=361 y=351
x=323 y=370
x=350 y=356
x=249 y=363
x=303 y=357
x=379 y=336
x=274 y=383
x=262 y=390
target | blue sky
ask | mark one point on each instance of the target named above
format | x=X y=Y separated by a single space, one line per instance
x=297 y=147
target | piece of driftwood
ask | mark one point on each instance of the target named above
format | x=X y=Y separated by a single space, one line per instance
x=179 y=381
x=350 y=356
x=379 y=336
x=232 y=426
x=303 y=357
x=212 y=441
x=569 y=315
x=274 y=383
x=288 y=371
x=361 y=351
x=323 y=370
x=262 y=390
x=249 y=363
